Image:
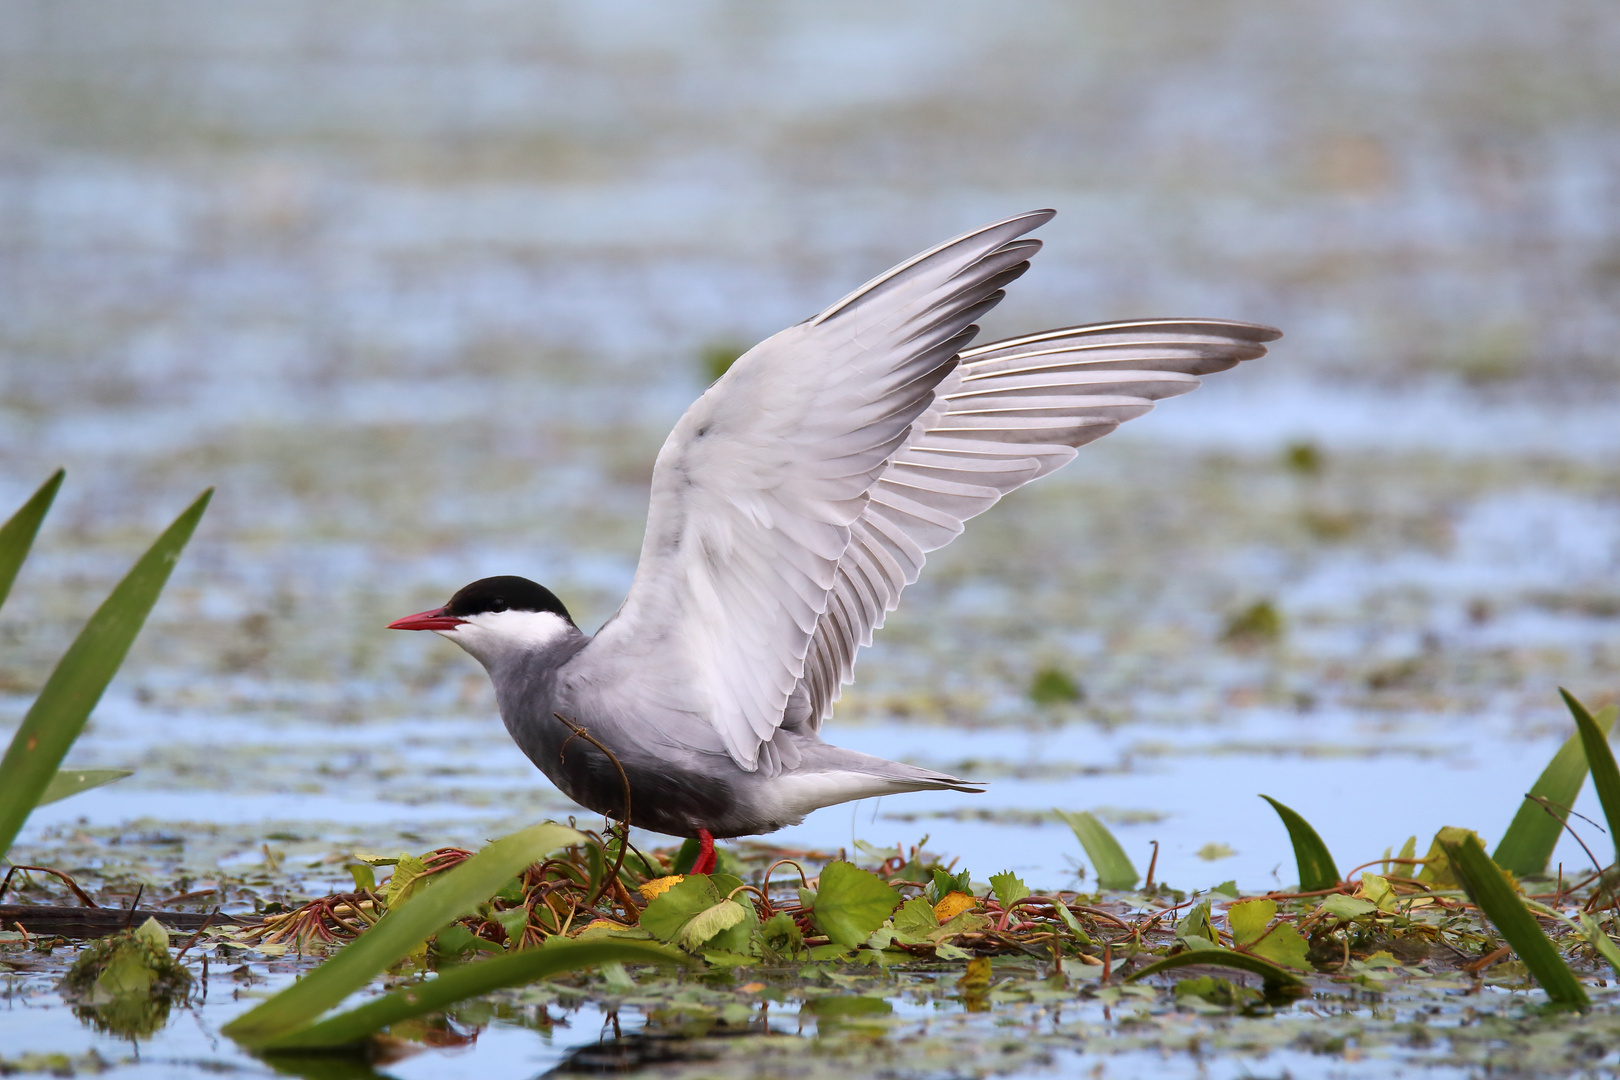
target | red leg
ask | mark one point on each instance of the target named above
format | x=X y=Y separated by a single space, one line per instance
x=705 y=860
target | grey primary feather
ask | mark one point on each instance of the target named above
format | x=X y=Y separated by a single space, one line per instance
x=1011 y=412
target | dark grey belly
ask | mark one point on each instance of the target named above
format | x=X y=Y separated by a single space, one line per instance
x=662 y=799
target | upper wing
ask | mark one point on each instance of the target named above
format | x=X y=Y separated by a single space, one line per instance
x=756 y=490
x=1011 y=411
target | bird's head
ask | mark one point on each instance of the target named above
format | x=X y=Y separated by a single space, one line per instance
x=497 y=618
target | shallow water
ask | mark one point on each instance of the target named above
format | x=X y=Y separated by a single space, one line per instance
x=421 y=292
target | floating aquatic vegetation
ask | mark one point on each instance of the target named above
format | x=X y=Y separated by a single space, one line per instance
x=708 y=955
x=1258 y=624
x=1054 y=686
x=1451 y=917
x=127 y=982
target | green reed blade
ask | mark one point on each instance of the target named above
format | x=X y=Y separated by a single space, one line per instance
x=1108 y=859
x=1488 y=889
x=17 y=534
x=1315 y=862
x=466 y=981
x=1605 y=776
x=72 y=781
x=58 y=714
x=398 y=933
x=1528 y=844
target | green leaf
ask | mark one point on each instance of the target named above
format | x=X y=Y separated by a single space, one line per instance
x=915 y=921
x=966 y=922
x=1113 y=869
x=514 y=921
x=73 y=689
x=1489 y=889
x=1377 y=890
x=1283 y=945
x=1068 y=919
x=946 y=883
x=1437 y=870
x=72 y=781
x=365 y=878
x=151 y=931
x=780 y=938
x=457 y=891
x=410 y=877
x=1528 y=844
x=17 y=534
x=1605 y=775
x=1251 y=930
x=1249 y=920
x=1009 y=889
x=1345 y=907
x=1274 y=977
x=460 y=983
x=1315 y=863
x=851 y=903
x=1196 y=924
x=706 y=924
x=1599 y=939
x=695 y=912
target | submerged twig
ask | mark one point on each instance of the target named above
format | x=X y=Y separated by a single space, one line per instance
x=71 y=884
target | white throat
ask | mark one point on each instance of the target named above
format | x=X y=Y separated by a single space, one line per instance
x=494 y=638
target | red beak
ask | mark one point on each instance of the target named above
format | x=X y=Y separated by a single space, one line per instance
x=426 y=620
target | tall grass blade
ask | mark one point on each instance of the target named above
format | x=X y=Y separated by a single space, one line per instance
x=1315 y=862
x=17 y=534
x=399 y=932
x=1108 y=859
x=1605 y=776
x=1488 y=889
x=1528 y=844
x=59 y=713
x=72 y=781
x=466 y=981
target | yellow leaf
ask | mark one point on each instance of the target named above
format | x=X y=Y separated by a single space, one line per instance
x=650 y=890
x=977 y=978
x=953 y=905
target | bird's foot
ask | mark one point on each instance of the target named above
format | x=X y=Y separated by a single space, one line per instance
x=706 y=858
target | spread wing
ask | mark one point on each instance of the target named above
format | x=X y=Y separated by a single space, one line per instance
x=1010 y=412
x=757 y=490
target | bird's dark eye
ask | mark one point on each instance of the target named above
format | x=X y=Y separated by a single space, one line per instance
x=497 y=604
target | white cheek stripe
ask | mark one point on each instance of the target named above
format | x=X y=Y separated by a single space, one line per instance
x=494 y=637
x=531 y=628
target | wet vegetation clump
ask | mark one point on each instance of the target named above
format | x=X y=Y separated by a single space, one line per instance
x=127 y=982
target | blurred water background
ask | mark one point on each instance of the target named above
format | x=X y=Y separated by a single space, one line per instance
x=422 y=285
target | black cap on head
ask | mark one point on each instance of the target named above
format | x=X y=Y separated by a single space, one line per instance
x=508 y=593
